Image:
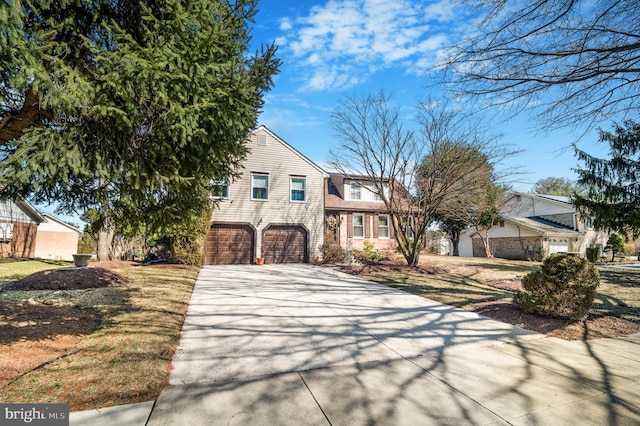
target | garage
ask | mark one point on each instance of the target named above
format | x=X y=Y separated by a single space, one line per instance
x=285 y=244
x=558 y=245
x=229 y=244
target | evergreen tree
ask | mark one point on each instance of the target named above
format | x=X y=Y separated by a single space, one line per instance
x=128 y=106
x=612 y=194
x=614 y=245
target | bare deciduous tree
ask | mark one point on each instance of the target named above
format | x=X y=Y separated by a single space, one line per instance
x=576 y=61
x=413 y=173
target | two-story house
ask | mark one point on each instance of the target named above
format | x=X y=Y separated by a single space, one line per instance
x=354 y=213
x=532 y=222
x=274 y=211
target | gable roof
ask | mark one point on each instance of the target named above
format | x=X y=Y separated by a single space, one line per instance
x=334 y=200
x=542 y=226
x=295 y=151
x=555 y=199
x=26 y=208
x=50 y=218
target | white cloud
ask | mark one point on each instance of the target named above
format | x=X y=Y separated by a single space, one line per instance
x=341 y=42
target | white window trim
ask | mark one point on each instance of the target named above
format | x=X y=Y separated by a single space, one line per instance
x=252 y=187
x=353 y=225
x=388 y=227
x=304 y=179
x=351 y=186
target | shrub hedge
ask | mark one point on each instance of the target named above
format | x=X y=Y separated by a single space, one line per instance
x=564 y=287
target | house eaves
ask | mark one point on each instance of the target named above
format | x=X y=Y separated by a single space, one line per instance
x=545 y=228
x=51 y=218
x=29 y=210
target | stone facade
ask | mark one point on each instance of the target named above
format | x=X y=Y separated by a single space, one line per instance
x=509 y=248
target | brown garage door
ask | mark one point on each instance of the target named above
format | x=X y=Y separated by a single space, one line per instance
x=229 y=243
x=285 y=244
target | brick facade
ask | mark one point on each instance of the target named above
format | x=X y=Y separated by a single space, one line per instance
x=22 y=243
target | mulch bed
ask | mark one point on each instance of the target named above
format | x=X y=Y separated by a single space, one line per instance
x=595 y=326
x=68 y=279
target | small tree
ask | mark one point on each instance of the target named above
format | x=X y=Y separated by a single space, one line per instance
x=614 y=245
x=564 y=287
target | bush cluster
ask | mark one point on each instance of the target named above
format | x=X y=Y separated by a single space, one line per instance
x=331 y=253
x=368 y=253
x=565 y=287
x=593 y=254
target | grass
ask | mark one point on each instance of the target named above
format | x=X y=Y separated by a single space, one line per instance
x=466 y=283
x=128 y=358
x=619 y=293
x=463 y=283
x=11 y=270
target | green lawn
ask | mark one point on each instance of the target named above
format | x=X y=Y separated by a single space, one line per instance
x=13 y=270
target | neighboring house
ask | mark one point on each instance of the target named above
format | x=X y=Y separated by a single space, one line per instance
x=354 y=213
x=56 y=239
x=18 y=228
x=274 y=211
x=533 y=222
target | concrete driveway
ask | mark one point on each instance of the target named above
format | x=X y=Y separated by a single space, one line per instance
x=306 y=345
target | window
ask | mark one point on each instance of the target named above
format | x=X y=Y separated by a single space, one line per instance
x=259 y=187
x=298 y=189
x=358 y=226
x=383 y=226
x=220 y=188
x=376 y=197
x=588 y=223
x=356 y=191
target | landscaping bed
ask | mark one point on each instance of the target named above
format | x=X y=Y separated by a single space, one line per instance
x=91 y=337
x=487 y=286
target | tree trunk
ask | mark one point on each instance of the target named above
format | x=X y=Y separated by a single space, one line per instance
x=455 y=242
x=105 y=238
x=485 y=246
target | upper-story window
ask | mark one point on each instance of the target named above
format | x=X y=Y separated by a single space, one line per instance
x=220 y=188
x=298 y=189
x=356 y=191
x=587 y=222
x=259 y=186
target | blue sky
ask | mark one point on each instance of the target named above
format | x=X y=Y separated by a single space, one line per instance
x=330 y=48
x=337 y=47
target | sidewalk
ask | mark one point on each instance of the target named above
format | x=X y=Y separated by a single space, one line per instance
x=302 y=345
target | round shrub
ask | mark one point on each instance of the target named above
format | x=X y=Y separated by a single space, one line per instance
x=564 y=287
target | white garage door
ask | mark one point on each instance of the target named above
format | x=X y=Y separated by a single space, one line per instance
x=558 y=245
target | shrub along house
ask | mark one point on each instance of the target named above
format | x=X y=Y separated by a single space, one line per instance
x=534 y=224
x=274 y=211
x=18 y=228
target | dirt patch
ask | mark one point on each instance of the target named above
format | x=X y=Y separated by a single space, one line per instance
x=32 y=333
x=514 y=284
x=68 y=279
x=595 y=326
